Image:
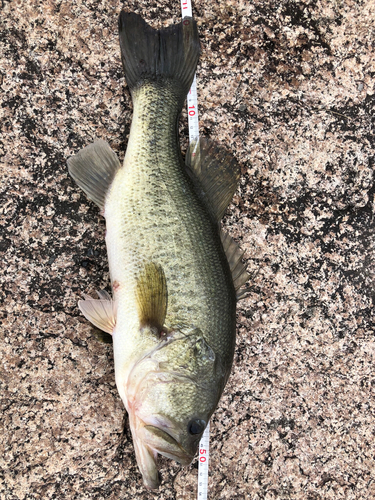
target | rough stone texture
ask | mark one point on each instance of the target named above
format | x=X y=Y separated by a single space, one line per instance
x=289 y=86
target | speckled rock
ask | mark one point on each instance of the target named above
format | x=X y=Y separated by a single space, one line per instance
x=289 y=87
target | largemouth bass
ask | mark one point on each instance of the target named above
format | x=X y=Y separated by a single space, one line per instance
x=175 y=278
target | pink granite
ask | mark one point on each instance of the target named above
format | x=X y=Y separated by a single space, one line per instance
x=289 y=87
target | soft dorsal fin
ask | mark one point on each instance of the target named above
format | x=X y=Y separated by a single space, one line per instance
x=237 y=268
x=215 y=174
x=93 y=168
x=100 y=312
x=152 y=296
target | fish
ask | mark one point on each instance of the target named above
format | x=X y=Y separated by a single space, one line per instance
x=175 y=276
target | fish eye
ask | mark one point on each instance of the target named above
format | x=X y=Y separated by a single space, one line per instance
x=196 y=426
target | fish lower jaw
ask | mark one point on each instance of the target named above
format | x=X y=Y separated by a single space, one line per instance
x=149 y=442
x=148 y=469
x=182 y=461
x=162 y=442
x=180 y=457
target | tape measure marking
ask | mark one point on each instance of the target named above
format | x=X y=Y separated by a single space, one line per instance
x=204 y=454
x=193 y=124
x=186 y=8
x=192 y=106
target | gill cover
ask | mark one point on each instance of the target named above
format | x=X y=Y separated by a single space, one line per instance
x=172 y=392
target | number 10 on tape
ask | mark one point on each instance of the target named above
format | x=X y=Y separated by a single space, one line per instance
x=203 y=464
x=192 y=104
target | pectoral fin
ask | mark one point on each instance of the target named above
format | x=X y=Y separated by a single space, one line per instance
x=152 y=296
x=100 y=312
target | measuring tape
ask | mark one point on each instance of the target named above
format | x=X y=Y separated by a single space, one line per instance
x=204 y=453
x=192 y=105
x=186 y=8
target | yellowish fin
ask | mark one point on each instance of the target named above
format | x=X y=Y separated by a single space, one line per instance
x=152 y=296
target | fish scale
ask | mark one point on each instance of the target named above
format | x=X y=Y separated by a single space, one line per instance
x=155 y=177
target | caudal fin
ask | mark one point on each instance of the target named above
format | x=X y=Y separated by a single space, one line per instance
x=148 y=55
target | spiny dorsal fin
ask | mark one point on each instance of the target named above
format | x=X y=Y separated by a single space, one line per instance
x=237 y=268
x=152 y=296
x=215 y=174
x=101 y=313
x=152 y=55
x=93 y=168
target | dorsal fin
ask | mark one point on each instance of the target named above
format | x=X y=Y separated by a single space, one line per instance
x=215 y=174
x=100 y=312
x=93 y=168
x=152 y=296
x=237 y=268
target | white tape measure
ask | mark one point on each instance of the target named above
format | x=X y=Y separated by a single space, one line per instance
x=192 y=105
x=186 y=8
x=204 y=453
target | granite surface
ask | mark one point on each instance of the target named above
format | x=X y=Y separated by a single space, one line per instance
x=289 y=87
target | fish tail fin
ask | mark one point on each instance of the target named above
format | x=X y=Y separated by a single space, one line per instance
x=169 y=54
